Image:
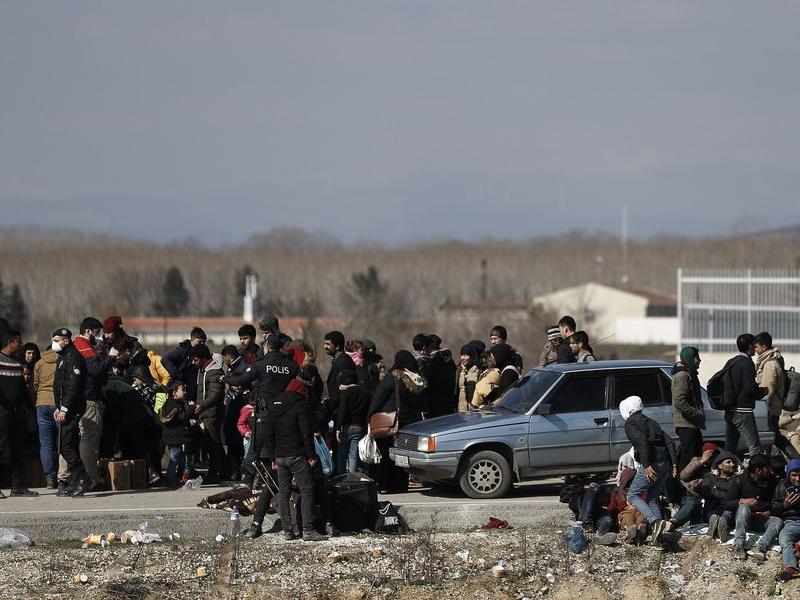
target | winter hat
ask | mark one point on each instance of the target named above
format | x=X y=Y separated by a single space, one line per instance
x=405 y=361
x=553 y=333
x=688 y=354
x=336 y=338
x=499 y=331
x=725 y=455
x=112 y=325
x=478 y=345
x=629 y=406
x=502 y=355
x=792 y=465
x=709 y=446
x=62 y=332
x=473 y=353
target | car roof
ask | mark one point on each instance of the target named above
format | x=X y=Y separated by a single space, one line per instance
x=604 y=365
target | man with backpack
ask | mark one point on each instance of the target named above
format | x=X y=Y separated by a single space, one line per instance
x=739 y=397
x=771 y=375
x=688 y=413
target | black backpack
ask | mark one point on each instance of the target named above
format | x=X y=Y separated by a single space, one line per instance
x=354 y=501
x=791 y=396
x=716 y=389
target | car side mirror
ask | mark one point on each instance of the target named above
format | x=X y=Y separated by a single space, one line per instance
x=544 y=410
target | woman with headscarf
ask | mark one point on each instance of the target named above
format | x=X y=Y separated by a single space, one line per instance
x=467 y=376
x=403 y=385
x=655 y=453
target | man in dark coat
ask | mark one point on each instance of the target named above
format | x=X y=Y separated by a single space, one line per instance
x=340 y=361
x=740 y=394
x=567 y=326
x=180 y=366
x=441 y=376
x=69 y=391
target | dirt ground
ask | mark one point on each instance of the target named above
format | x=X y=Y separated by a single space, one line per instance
x=420 y=566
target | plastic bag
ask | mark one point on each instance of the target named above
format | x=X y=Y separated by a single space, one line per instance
x=575 y=537
x=368 y=450
x=324 y=455
x=193 y=484
x=14 y=539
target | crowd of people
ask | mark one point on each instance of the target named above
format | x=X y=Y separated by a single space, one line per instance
x=662 y=486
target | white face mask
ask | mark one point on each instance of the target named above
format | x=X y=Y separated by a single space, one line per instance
x=55 y=346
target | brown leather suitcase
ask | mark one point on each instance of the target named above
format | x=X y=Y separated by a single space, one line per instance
x=119 y=472
x=139 y=478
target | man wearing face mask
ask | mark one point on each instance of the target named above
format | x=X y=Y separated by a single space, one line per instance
x=91 y=423
x=69 y=391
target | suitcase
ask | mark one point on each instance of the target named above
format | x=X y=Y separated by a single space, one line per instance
x=139 y=479
x=354 y=501
x=119 y=474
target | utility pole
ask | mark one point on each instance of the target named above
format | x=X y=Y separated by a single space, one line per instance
x=250 y=294
x=625 y=277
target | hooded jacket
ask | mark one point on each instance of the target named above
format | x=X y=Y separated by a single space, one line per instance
x=44 y=372
x=687 y=403
x=441 y=376
x=157 y=369
x=211 y=390
x=783 y=489
x=176 y=427
x=650 y=443
x=288 y=427
x=744 y=486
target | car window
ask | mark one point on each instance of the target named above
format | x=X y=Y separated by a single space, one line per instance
x=648 y=385
x=579 y=394
x=527 y=391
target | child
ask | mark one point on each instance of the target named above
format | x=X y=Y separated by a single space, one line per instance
x=245 y=426
x=177 y=425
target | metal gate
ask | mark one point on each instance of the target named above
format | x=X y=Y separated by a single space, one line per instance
x=716 y=305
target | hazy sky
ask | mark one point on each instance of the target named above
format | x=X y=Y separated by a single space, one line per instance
x=399 y=120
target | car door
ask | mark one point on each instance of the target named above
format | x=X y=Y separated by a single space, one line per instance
x=653 y=387
x=571 y=427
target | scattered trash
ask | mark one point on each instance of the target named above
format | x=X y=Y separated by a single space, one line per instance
x=672 y=567
x=620 y=568
x=160 y=517
x=220 y=538
x=81 y=579
x=376 y=552
x=111 y=536
x=139 y=537
x=495 y=523
x=499 y=570
x=463 y=555
x=104 y=543
x=253 y=578
x=233 y=524
x=93 y=539
x=575 y=537
x=550 y=576
x=172 y=537
x=333 y=558
x=708 y=562
x=15 y=539
x=202 y=572
x=193 y=484
x=143 y=526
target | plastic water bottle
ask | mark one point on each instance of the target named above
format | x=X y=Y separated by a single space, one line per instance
x=233 y=524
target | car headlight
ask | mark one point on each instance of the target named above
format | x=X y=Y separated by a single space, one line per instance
x=426 y=444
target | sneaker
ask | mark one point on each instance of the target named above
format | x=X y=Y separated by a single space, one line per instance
x=254 y=531
x=739 y=552
x=758 y=553
x=788 y=573
x=631 y=532
x=658 y=530
x=713 y=523
x=722 y=530
x=641 y=534
x=289 y=536
x=606 y=539
x=24 y=492
x=313 y=536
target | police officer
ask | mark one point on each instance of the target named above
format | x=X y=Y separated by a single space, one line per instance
x=69 y=390
x=266 y=378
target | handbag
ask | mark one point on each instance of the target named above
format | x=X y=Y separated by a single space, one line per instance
x=386 y=424
x=324 y=455
x=368 y=450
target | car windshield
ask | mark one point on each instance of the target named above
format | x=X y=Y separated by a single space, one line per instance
x=527 y=391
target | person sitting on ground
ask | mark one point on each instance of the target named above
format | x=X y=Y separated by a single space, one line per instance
x=178 y=433
x=566 y=326
x=655 y=452
x=628 y=518
x=750 y=496
x=580 y=348
x=691 y=505
x=714 y=489
x=549 y=355
x=786 y=504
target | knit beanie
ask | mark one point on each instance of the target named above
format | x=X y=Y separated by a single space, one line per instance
x=112 y=324
x=553 y=333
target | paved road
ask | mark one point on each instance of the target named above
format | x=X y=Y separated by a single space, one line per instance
x=52 y=518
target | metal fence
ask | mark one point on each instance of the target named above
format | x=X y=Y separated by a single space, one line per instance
x=716 y=305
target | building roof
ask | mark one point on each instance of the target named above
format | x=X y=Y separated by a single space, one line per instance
x=652 y=296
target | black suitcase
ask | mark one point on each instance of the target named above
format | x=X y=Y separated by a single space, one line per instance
x=354 y=501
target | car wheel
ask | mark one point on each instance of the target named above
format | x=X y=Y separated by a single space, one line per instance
x=486 y=475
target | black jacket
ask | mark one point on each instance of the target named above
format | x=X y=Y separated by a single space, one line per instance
x=69 y=383
x=341 y=362
x=787 y=513
x=650 y=443
x=745 y=487
x=564 y=353
x=740 y=383
x=441 y=376
x=176 y=429
x=353 y=406
x=267 y=378
x=288 y=428
x=180 y=368
x=13 y=393
x=412 y=403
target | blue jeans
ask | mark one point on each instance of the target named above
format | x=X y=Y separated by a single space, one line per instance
x=690 y=507
x=745 y=521
x=741 y=425
x=588 y=510
x=347 y=450
x=249 y=454
x=48 y=441
x=640 y=485
x=790 y=535
x=179 y=461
